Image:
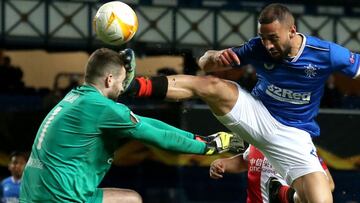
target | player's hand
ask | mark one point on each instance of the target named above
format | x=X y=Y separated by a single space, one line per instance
x=128 y=56
x=223 y=142
x=226 y=57
x=217 y=169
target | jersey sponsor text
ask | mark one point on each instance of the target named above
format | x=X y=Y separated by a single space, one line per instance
x=286 y=95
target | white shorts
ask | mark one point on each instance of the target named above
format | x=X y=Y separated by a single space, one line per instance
x=289 y=150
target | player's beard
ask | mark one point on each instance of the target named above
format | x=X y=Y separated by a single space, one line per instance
x=283 y=53
x=115 y=93
x=287 y=50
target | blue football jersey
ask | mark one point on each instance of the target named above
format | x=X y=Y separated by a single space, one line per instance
x=291 y=89
x=10 y=190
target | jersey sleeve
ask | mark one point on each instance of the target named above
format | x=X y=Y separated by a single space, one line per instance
x=116 y=117
x=167 y=138
x=162 y=125
x=120 y=122
x=345 y=61
x=246 y=154
x=245 y=52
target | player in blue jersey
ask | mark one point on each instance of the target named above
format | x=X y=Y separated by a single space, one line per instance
x=278 y=117
x=10 y=186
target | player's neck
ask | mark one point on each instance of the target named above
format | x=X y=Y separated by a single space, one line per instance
x=96 y=87
x=296 y=45
x=15 y=179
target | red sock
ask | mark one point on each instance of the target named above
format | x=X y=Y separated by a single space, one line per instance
x=283 y=194
x=145 y=87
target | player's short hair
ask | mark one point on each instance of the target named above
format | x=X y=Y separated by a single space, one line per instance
x=101 y=62
x=276 y=11
x=19 y=154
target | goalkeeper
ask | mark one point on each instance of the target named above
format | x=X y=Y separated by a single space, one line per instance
x=75 y=144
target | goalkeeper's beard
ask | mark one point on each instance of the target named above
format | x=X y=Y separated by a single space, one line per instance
x=116 y=90
x=113 y=96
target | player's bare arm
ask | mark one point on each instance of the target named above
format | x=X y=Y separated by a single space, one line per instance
x=234 y=164
x=221 y=60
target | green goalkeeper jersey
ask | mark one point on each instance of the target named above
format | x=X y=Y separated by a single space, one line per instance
x=75 y=144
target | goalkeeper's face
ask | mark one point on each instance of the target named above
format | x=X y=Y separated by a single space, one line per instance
x=117 y=85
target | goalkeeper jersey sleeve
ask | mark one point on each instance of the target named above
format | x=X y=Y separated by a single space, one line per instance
x=150 y=131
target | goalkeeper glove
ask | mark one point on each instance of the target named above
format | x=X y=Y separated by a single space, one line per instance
x=128 y=57
x=223 y=142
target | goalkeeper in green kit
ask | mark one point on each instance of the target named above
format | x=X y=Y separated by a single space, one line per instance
x=75 y=143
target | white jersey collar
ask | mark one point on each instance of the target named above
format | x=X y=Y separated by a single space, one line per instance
x=301 y=47
x=14 y=180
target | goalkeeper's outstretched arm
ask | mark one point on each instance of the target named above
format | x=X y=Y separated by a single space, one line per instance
x=170 y=138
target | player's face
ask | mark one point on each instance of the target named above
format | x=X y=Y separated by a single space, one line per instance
x=117 y=85
x=276 y=39
x=16 y=166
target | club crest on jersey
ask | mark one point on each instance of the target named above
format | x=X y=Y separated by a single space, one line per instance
x=310 y=70
x=352 y=58
x=269 y=66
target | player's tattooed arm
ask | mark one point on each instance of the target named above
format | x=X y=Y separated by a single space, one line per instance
x=214 y=60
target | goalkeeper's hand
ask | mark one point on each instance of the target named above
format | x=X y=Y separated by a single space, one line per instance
x=223 y=142
x=128 y=57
